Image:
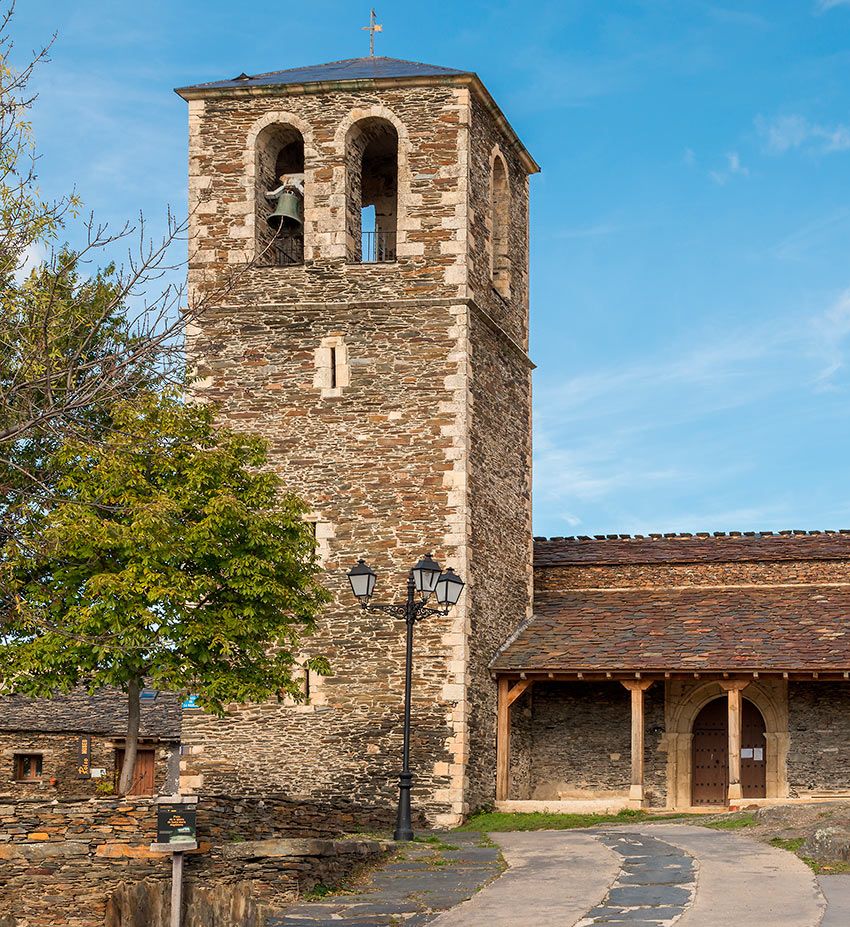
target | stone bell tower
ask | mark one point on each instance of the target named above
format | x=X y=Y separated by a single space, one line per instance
x=378 y=340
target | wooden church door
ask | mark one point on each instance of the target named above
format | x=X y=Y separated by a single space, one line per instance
x=710 y=754
x=710 y=765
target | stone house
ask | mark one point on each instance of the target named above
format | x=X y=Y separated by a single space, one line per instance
x=679 y=671
x=73 y=744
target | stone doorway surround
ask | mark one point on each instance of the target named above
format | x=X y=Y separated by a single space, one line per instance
x=683 y=702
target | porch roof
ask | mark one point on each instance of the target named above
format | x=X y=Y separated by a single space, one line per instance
x=675 y=629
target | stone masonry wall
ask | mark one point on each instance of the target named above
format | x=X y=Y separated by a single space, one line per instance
x=387 y=464
x=500 y=445
x=69 y=863
x=819 y=725
x=500 y=560
x=578 y=742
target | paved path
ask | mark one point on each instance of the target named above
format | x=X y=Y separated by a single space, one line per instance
x=634 y=876
x=836 y=889
x=553 y=878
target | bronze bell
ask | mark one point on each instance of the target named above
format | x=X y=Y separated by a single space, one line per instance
x=287 y=213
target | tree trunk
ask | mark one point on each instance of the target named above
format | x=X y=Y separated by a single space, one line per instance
x=131 y=747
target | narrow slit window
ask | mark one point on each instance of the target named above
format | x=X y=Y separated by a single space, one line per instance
x=332 y=371
x=500 y=211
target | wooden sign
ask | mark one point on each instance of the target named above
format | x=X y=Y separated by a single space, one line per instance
x=176 y=822
x=84 y=758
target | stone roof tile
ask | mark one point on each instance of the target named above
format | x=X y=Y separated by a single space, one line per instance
x=800 y=629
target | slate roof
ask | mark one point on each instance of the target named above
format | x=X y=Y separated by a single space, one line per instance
x=105 y=712
x=692 y=548
x=797 y=628
x=370 y=68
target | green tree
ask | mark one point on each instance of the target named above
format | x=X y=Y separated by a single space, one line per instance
x=169 y=556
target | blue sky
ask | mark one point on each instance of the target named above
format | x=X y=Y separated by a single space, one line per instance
x=690 y=229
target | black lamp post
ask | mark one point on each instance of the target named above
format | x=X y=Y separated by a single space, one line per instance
x=424 y=580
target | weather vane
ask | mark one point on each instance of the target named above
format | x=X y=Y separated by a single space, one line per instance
x=372 y=28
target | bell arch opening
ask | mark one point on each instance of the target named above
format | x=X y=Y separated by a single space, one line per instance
x=371 y=157
x=500 y=213
x=279 y=205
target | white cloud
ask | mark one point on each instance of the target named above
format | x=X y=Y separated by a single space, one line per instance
x=734 y=168
x=35 y=254
x=832 y=329
x=598 y=230
x=792 y=132
x=824 y=5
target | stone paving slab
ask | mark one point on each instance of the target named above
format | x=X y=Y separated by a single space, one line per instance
x=413 y=891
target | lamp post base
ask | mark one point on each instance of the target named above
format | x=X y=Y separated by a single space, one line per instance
x=403 y=826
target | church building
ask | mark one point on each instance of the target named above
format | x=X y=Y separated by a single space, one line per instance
x=364 y=226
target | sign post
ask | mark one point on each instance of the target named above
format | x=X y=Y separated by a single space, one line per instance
x=176 y=833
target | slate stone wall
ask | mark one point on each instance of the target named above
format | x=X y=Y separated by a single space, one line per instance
x=59 y=762
x=88 y=864
x=425 y=448
x=819 y=725
x=575 y=739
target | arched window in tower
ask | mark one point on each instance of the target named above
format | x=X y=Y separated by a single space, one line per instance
x=280 y=196
x=500 y=217
x=371 y=154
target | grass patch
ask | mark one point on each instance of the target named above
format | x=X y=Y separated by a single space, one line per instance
x=791 y=844
x=795 y=844
x=747 y=819
x=489 y=821
x=317 y=892
x=435 y=842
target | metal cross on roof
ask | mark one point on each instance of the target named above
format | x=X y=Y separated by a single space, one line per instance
x=372 y=28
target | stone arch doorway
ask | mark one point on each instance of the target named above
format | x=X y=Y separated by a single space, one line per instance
x=685 y=699
x=710 y=754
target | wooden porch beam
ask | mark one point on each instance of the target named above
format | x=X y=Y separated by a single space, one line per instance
x=516 y=691
x=637 y=687
x=503 y=740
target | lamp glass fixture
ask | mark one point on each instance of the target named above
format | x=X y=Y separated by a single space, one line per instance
x=362 y=578
x=449 y=587
x=425 y=575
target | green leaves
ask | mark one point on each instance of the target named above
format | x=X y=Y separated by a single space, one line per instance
x=169 y=555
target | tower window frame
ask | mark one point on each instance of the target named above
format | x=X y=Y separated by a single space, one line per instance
x=500 y=225
x=333 y=373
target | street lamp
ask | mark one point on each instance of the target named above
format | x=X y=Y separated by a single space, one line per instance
x=425 y=579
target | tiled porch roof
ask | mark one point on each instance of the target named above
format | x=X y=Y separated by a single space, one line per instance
x=735 y=629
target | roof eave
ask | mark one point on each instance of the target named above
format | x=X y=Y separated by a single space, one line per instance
x=469 y=80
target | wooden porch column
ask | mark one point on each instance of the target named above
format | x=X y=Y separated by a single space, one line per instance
x=507 y=695
x=637 y=687
x=733 y=690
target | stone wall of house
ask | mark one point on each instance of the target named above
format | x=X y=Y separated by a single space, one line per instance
x=606 y=576
x=574 y=741
x=819 y=725
x=59 y=753
x=89 y=864
x=391 y=464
